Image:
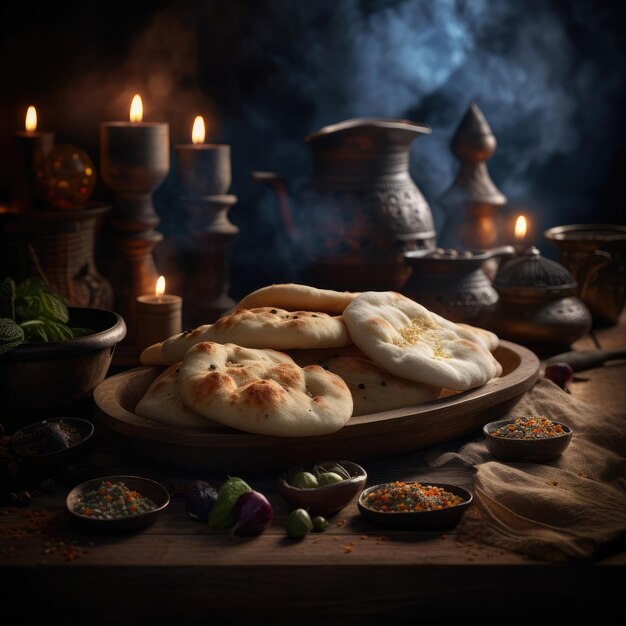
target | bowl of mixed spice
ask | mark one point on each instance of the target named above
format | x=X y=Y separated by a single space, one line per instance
x=420 y=506
x=117 y=503
x=527 y=439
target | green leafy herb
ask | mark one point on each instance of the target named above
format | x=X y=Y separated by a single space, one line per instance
x=45 y=330
x=31 y=312
x=33 y=300
x=11 y=335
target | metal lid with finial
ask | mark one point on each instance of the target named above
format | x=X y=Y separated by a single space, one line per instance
x=531 y=274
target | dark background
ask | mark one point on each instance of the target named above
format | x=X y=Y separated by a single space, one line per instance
x=548 y=75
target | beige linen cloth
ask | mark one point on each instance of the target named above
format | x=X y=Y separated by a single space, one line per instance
x=566 y=509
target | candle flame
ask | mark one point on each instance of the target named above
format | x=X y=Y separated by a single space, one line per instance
x=198 y=132
x=31 y=119
x=160 y=286
x=136 y=109
x=520 y=228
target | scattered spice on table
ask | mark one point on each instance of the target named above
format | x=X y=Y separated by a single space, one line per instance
x=35 y=526
x=113 y=501
x=400 y=497
x=530 y=428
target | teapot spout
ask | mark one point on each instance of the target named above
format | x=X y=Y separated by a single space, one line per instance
x=279 y=186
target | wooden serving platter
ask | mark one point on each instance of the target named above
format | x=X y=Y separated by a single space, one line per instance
x=370 y=436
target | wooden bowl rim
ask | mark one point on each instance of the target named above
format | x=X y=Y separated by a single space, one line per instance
x=521 y=377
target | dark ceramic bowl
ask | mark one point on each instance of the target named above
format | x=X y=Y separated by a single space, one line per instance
x=146 y=487
x=418 y=520
x=525 y=450
x=54 y=457
x=58 y=377
x=326 y=500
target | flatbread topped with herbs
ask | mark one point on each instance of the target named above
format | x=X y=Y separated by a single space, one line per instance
x=264 y=327
x=408 y=340
x=294 y=297
x=373 y=389
x=162 y=403
x=263 y=391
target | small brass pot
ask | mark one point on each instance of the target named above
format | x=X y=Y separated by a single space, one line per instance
x=595 y=254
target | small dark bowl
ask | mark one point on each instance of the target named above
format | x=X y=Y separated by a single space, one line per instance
x=49 y=462
x=58 y=377
x=146 y=487
x=525 y=450
x=326 y=500
x=418 y=520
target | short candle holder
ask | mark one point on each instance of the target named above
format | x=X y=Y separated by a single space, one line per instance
x=158 y=318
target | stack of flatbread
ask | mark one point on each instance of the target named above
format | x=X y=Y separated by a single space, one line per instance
x=296 y=361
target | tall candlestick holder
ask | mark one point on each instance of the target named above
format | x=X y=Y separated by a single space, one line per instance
x=205 y=176
x=134 y=160
x=471 y=203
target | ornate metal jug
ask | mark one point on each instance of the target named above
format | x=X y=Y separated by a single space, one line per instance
x=362 y=210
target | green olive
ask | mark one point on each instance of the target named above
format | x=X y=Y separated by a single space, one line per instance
x=304 y=480
x=320 y=524
x=328 y=478
x=298 y=524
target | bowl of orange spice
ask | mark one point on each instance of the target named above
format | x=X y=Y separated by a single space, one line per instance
x=534 y=439
x=421 y=506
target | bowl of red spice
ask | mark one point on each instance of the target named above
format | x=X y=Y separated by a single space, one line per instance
x=532 y=439
x=117 y=503
x=420 y=506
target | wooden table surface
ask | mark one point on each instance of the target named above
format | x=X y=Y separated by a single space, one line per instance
x=353 y=573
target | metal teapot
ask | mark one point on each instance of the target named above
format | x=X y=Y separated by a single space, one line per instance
x=362 y=210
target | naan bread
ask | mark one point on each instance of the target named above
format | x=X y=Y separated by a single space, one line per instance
x=373 y=389
x=263 y=391
x=263 y=327
x=321 y=356
x=294 y=297
x=152 y=355
x=408 y=340
x=484 y=337
x=162 y=403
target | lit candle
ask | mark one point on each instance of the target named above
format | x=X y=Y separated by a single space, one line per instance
x=204 y=168
x=135 y=155
x=521 y=229
x=158 y=317
x=30 y=147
